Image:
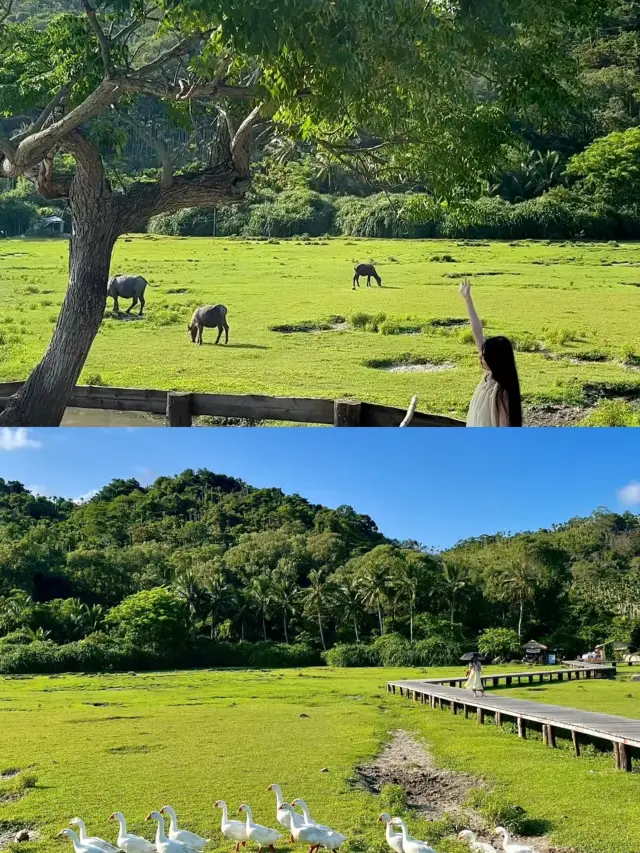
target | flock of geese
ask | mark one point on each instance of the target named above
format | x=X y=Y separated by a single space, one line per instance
x=300 y=827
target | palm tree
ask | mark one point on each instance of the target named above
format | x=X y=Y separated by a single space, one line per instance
x=373 y=582
x=284 y=593
x=516 y=582
x=188 y=589
x=94 y=617
x=406 y=585
x=452 y=577
x=317 y=597
x=217 y=593
x=347 y=605
x=260 y=593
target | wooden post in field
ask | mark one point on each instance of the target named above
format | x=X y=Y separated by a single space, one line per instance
x=522 y=728
x=480 y=716
x=179 y=409
x=453 y=707
x=576 y=743
x=346 y=413
x=466 y=711
x=498 y=718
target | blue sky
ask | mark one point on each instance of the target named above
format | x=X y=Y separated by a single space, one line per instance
x=436 y=486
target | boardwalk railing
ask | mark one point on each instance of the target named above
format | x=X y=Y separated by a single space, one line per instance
x=180 y=408
x=569 y=669
x=622 y=732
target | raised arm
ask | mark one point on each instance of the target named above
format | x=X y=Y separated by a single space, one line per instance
x=476 y=325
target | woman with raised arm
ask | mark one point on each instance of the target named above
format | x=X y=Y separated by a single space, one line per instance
x=496 y=401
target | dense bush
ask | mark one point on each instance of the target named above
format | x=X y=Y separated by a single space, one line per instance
x=396 y=650
x=352 y=654
x=499 y=642
x=97 y=653
x=16 y=215
x=557 y=215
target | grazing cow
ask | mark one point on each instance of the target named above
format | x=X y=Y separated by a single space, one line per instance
x=127 y=287
x=209 y=317
x=366 y=269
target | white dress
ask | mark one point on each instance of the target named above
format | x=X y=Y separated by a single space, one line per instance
x=483 y=409
x=474 y=682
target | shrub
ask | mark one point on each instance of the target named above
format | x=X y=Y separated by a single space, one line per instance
x=352 y=654
x=612 y=413
x=16 y=215
x=393 y=799
x=437 y=650
x=499 y=642
x=525 y=342
x=393 y=650
x=293 y=212
x=609 y=168
x=153 y=620
x=497 y=810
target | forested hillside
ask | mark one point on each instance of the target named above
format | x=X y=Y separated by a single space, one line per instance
x=202 y=568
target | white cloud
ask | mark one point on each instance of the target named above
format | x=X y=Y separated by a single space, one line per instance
x=38 y=489
x=82 y=499
x=629 y=495
x=17 y=439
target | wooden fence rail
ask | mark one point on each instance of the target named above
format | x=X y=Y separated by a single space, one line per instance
x=180 y=408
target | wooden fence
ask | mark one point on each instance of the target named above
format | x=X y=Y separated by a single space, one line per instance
x=180 y=408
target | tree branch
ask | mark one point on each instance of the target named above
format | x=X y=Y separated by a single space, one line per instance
x=32 y=149
x=6 y=10
x=241 y=142
x=166 y=160
x=102 y=39
x=40 y=122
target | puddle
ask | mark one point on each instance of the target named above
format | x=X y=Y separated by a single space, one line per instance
x=421 y=368
x=104 y=418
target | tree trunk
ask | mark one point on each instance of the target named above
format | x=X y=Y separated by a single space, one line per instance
x=453 y=607
x=380 y=619
x=264 y=628
x=284 y=619
x=411 y=623
x=321 y=631
x=520 y=619
x=42 y=400
x=355 y=626
x=242 y=629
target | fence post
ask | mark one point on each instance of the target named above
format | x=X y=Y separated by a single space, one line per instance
x=346 y=413
x=179 y=409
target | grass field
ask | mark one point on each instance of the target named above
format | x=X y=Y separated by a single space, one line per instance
x=578 y=302
x=134 y=743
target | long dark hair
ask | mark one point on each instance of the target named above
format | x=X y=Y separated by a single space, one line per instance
x=498 y=355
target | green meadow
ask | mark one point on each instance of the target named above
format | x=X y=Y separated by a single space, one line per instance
x=571 y=308
x=94 y=744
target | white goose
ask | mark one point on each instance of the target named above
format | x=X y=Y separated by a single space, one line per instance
x=164 y=844
x=409 y=844
x=282 y=815
x=394 y=839
x=307 y=817
x=195 y=842
x=78 y=846
x=477 y=846
x=93 y=840
x=263 y=836
x=127 y=841
x=234 y=829
x=508 y=846
x=314 y=835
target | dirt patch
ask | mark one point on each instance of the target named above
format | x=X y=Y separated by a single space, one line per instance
x=9 y=830
x=406 y=762
x=9 y=773
x=554 y=415
x=408 y=363
x=132 y=750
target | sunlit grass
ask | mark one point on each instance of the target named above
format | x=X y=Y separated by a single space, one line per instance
x=571 y=307
x=137 y=742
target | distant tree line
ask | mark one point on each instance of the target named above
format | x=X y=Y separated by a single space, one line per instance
x=202 y=569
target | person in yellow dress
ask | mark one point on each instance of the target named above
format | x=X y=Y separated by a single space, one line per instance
x=474 y=677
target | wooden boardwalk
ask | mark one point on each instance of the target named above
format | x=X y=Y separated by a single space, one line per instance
x=622 y=732
x=570 y=670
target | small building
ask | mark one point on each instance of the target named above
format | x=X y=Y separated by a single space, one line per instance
x=535 y=652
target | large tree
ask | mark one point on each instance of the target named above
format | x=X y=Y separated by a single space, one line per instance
x=356 y=76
